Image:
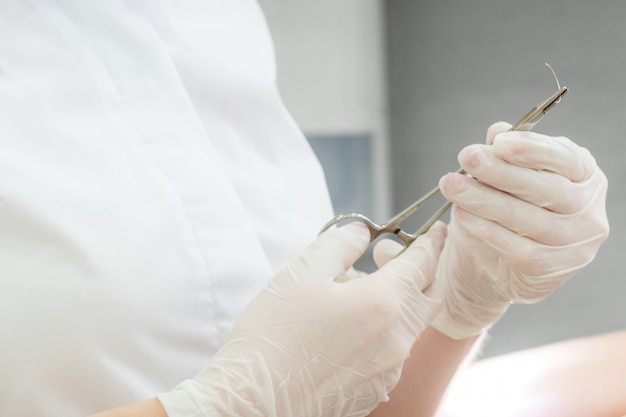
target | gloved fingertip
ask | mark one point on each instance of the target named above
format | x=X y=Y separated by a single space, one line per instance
x=505 y=138
x=358 y=230
x=495 y=129
x=386 y=250
x=332 y=253
x=448 y=184
x=439 y=229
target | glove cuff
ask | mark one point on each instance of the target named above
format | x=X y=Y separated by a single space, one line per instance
x=467 y=324
x=187 y=400
x=444 y=324
x=226 y=387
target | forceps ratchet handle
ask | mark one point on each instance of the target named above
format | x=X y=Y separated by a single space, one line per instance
x=526 y=123
x=392 y=226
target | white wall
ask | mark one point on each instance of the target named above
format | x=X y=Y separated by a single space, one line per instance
x=331 y=73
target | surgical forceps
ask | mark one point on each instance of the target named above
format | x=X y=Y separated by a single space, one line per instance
x=392 y=226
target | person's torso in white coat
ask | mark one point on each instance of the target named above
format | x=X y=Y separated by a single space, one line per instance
x=151 y=182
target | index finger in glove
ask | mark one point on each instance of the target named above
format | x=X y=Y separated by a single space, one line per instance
x=332 y=254
x=532 y=183
x=495 y=129
x=398 y=299
x=536 y=151
x=527 y=219
x=555 y=154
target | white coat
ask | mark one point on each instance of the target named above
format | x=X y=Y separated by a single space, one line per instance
x=151 y=182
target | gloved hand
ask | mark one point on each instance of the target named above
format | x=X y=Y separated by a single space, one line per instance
x=532 y=215
x=314 y=343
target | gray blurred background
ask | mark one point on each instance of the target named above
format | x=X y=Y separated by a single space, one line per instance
x=388 y=92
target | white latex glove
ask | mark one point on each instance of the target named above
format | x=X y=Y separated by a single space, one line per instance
x=316 y=344
x=533 y=216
